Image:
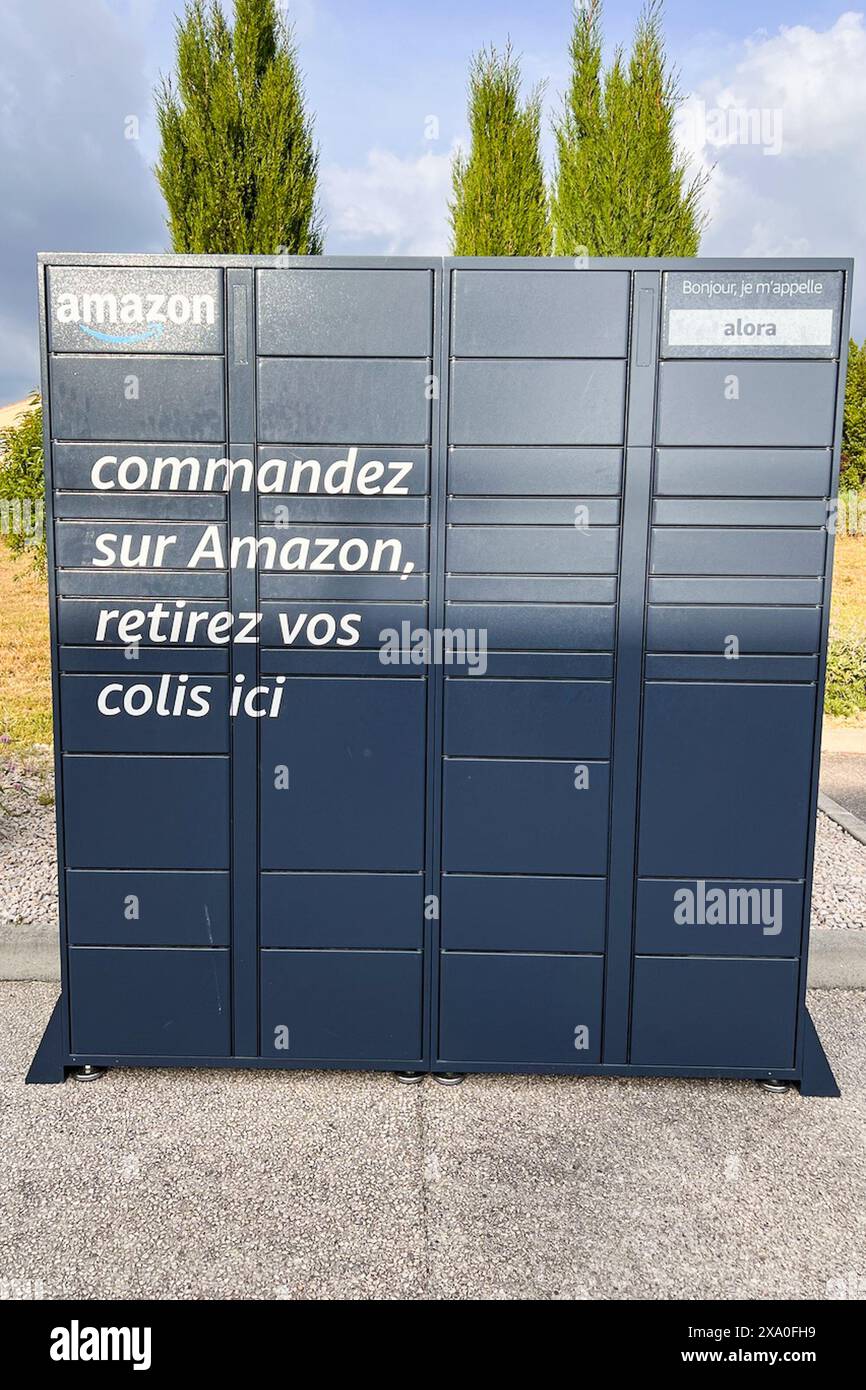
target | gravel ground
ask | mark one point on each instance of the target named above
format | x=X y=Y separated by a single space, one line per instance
x=28 y=865
x=839 y=893
x=28 y=874
x=300 y=1185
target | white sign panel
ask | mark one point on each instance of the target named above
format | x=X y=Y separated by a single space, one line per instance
x=735 y=327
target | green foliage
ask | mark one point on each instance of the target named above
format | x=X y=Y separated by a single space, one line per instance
x=22 y=486
x=500 y=205
x=853 y=471
x=620 y=187
x=846 y=676
x=238 y=163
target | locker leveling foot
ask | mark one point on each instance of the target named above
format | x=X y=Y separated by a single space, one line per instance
x=88 y=1073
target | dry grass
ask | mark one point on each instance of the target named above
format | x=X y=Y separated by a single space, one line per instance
x=11 y=414
x=25 y=662
x=846 y=690
x=848 y=610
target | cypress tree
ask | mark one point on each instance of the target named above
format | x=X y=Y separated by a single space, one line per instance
x=499 y=205
x=620 y=184
x=238 y=162
x=577 y=196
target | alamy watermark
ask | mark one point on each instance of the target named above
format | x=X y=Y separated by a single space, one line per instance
x=850 y=1285
x=438 y=646
x=700 y=125
x=729 y=907
x=22 y=517
x=21 y=1289
x=846 y=514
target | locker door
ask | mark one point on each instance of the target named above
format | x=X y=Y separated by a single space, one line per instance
x=354 y=750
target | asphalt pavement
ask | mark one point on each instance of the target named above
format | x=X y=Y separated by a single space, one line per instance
x=302 y=1185
x=843 y=777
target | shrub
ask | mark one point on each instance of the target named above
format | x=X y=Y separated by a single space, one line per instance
x=846 y=676
x=22 y=486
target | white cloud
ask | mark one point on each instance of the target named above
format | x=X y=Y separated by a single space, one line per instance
x=393 y=206
x=780 y=128
x=816 y=80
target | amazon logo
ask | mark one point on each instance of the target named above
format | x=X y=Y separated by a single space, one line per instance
x=128 y=319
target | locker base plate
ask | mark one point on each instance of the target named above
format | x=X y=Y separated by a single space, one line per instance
x=52 y=1065
x=47 y=1068
x=817 y=1078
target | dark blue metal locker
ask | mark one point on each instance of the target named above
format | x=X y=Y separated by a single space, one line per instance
x=295 y=831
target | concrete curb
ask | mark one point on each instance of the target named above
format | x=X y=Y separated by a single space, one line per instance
x=29 y=953
x=847 y=819
x=837 y=958
x=843 y=738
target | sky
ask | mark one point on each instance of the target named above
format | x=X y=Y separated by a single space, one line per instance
x=774 y=111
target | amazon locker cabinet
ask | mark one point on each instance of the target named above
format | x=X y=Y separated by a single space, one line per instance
x=438 y=656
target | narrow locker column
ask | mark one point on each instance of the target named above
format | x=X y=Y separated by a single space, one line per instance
x=345 y=436
x=534 y=482
x=245 y=675
x=734 y=623
x=145 y=851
